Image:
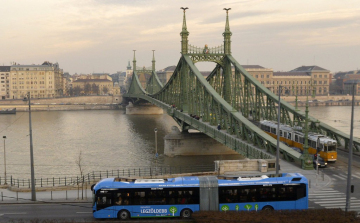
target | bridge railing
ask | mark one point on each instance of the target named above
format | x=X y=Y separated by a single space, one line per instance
x=94 y=176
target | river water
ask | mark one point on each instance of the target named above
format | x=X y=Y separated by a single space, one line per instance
x=108 y=140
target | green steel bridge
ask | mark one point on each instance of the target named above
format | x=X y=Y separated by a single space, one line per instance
x=229 y=96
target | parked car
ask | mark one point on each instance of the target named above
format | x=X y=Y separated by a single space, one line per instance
x=320 y=161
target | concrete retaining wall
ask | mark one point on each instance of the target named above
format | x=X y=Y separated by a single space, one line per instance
x=235 y=166
x=80 y=100
x=143 y=109
x=189 y=144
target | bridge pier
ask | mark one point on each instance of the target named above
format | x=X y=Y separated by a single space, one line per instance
x=188 y=144
x=143 y=109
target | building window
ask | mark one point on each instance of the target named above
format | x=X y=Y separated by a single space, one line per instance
x=320 y=76
x=315 y=76
x=320 y=82
x=325 y=82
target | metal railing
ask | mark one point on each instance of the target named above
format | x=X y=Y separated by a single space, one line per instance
x=94 y=176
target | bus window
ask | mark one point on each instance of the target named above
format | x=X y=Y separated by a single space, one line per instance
x=157 y=197
x=103 y=200
x=139 y=198
x=244 y=195
x=300 y=192
x=228 y=195
x=267 y=194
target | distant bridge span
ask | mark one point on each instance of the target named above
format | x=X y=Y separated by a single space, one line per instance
x=232 y=99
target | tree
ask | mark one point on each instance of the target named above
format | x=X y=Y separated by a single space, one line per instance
x=77 y=90
x=95 y=88
x=105 y=90
x=78 y=162
x=71 y=92
x=87 y=88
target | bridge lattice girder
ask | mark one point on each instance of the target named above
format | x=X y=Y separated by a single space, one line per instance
x=231 y=99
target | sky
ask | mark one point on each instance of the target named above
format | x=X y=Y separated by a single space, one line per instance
x=91 y=36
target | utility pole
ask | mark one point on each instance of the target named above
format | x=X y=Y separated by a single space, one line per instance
x=348 y=186
x=278 y=135
x=33 y=193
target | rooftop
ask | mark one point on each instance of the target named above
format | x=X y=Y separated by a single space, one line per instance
x=310 y=69
x=291 y=74
x=4 y=68
x=93 y=80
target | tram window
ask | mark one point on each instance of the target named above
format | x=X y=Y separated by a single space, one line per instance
x=285 y=134
x=296 y=138
x=313 y=144
x=301 y=140
x=289 y=136
x=331 y=148
x=273 y=130
x=281 y=133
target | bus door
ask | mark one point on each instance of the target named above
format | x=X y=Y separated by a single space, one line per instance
x=209 y=193
x=104 y=201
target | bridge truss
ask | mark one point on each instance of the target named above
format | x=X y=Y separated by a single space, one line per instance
x=229 y=97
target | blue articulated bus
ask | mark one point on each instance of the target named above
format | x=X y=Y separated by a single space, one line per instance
x=181 y=196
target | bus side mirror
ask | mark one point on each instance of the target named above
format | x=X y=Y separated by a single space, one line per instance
x=92 y=187
x=352 y=189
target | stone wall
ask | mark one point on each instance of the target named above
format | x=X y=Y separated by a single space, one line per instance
x=250 y=165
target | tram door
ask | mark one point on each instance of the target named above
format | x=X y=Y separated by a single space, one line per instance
x=209 y=194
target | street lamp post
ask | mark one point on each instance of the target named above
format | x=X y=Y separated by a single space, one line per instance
x=278 y=134
x=348 y=185
x=33 y=193
x=4 y=137
x=156 y=153
x=306 y=159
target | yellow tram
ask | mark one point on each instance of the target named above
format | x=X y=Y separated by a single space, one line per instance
x=294 y=137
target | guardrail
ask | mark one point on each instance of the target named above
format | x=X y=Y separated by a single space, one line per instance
x=94 y=176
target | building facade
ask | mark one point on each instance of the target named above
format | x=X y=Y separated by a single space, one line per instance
x=4 y=82
x=348 y=87
x=339 y=79
x=92 y=86
x=42 y=81
x=303 y=80
x=165 y=74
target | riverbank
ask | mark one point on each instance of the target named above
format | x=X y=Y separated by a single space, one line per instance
x=326 y=100
x=108 y=102
x=105 y=102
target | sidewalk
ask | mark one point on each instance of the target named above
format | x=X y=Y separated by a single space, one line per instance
x=62 y=196
x=316 y=182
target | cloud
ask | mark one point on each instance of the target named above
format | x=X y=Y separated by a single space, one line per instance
x=103 y=33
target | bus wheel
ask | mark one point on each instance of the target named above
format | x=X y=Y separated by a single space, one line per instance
x=268 y=208
x=186 y=213
x=123 y=215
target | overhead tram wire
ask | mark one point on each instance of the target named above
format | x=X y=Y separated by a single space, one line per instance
x=12 y=122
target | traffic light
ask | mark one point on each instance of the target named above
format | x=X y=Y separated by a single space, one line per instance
x=315 y=157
